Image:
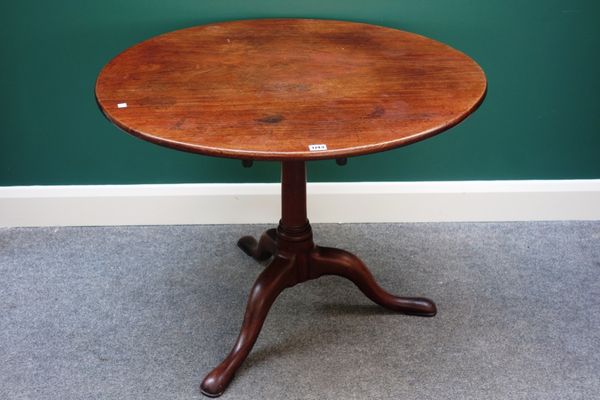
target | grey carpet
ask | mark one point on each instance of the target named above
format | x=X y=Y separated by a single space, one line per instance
x=145 y=312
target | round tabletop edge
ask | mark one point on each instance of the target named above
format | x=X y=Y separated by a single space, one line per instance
x=291 y=155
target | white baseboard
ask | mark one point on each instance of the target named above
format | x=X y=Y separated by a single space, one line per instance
x=327 y=202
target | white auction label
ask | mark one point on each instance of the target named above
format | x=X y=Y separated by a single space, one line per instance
x=122 y=105
x=317 y=147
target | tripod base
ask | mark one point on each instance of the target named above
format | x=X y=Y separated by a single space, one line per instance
x=296 y=259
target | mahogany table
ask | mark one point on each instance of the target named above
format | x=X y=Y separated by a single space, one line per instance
x=290 y=90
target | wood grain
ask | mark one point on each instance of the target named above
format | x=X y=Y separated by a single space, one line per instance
x=269 y=88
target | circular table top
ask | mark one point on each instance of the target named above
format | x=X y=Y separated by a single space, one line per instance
x=288 y=89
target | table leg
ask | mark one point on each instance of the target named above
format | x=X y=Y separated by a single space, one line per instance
x=330 y=261
x=272 y=281
x=261 y=250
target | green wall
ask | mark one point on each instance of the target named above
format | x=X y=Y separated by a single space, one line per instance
x=541 y=118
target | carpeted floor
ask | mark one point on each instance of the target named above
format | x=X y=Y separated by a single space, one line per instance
x=145 y=312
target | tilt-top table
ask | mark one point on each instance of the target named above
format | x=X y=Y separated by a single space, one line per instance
x=290 y=90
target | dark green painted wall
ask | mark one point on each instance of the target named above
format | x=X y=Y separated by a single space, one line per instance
x=541 y=119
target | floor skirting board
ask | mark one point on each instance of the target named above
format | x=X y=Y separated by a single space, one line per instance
x=174 y=204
